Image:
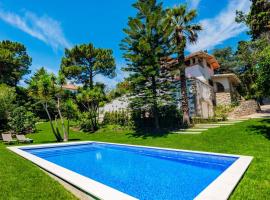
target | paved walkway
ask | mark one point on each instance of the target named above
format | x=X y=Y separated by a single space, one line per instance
x=199 y=128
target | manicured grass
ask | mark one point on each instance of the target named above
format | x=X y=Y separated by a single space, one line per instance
x=20 y=178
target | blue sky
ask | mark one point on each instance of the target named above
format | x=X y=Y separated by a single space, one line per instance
x=47 y=27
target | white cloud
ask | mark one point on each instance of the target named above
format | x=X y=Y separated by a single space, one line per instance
x=193 y=3
x=43 y=28
x=222 y=27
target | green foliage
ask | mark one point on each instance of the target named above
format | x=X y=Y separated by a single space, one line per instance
x=248 y=54
x=42 y=87
x=170 y=118
x=14 y=62
x=121 y=118
x=145 y=45
x=90 y=101
x=222 y=111
x=70 y=109
x=182 y=29
x=7 y=98
x=227 y=60
x=87 y=122
x=22 y=121
x=258 y=19
x=263 y=81
x=122 y=88
x=83 y=62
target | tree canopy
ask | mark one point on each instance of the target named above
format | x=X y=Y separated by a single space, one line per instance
x=258 y=19
x=42 y=87
x=145 y=44
x=227 y=60
x=14 y=62
x=263 y=82
x=7 y=98
x=83 y=62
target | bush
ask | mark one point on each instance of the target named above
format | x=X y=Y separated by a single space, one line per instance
x=86 y=122
x=7 y=97
x=222 y=111
x=121 y=118
x=22 y=121
x=170 y=117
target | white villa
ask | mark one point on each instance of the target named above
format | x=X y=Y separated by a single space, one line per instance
x=205 y=89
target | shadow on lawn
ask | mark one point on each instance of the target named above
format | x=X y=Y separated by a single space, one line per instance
x=263 y=128
x=145 y=133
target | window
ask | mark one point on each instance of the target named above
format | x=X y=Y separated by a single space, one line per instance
x=220 y=87
x=187 y=63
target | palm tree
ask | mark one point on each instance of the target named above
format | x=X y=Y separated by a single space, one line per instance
x=179 y=21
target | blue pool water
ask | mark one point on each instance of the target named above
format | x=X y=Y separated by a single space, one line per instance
x=144 y=173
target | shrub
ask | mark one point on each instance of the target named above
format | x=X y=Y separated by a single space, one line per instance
x=7 y=97
x=22 y=121
x=222 y=111
x=170 y=117
x=121 y=118
x=86 y=122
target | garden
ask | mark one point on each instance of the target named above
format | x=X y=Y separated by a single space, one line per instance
x=45 y=110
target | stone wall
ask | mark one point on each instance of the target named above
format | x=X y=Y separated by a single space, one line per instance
x=245 y=108
x=223 y=98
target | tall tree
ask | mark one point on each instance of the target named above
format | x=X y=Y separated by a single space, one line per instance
x=14 y=62
x=83 y=62
x=179 y=20
x=42 y=87
x=145 y=44
x=226 y=59
x=247 y=55
x=258 y=19
x=7 y=99
x=59 y=95
x=263 y=82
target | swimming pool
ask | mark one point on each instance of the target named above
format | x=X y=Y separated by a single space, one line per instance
x=115 y=171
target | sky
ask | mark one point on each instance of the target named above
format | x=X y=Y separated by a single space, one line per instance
x=47 y=27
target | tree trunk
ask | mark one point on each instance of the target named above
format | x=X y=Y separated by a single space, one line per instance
x=185 y=107
x=91 y=84
x=62 y=121
x=58 y=137
x=68 y=126
x=181 y=61
x=155 y=107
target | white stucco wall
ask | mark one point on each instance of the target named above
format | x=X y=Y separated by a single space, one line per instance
x=203 y=73
x=224 y=81
x=116 y=105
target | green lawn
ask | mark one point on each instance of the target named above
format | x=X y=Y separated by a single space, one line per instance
x=19 y=179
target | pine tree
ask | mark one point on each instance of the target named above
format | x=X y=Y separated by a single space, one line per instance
x=145 y=45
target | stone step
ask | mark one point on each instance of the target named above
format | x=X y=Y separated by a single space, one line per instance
x=194 y=129
x=208 y=125
x=187 y=132
x=229 y=122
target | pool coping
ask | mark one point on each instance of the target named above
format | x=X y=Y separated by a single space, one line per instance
x=220 y=188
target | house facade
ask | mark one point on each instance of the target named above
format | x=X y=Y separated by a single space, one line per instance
x=205 y=89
